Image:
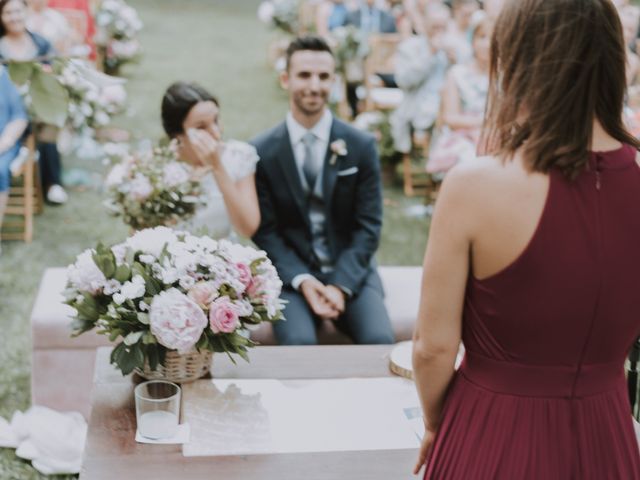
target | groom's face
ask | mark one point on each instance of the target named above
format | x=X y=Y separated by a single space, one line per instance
x=308 y=80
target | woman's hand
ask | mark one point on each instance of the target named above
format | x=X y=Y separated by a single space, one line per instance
x=427 y=441
x=206 y=148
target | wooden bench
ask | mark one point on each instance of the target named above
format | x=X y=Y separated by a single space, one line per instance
x=62 y=367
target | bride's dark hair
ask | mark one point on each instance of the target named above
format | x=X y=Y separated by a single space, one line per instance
x=178 y=101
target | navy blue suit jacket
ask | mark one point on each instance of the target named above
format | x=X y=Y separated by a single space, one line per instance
x=352 y=191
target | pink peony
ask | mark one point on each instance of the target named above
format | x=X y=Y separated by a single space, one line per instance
x=223 y=315
x=244 y=273
x=176 y=320
x=203 y=293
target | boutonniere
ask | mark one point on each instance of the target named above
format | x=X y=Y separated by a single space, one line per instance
x=338 y=149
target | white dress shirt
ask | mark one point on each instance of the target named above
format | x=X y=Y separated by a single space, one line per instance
x=322 y=132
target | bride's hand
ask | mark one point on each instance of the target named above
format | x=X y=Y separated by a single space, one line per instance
x=205 y=147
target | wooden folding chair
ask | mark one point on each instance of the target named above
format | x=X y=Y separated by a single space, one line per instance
x=382 y=49
x=25 y=198
x=416 y=179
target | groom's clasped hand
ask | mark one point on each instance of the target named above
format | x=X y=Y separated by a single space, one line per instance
x=326 y=301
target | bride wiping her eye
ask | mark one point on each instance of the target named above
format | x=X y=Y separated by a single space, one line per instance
x=191 y=117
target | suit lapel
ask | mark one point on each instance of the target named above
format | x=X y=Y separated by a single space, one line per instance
x=290 y=169
x=330 y=171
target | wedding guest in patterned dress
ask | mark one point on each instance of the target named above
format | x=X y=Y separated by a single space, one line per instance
x=421 y=65
x=191 y=116
x=51 y=25
x=18 y=43
x=463 y=102
x=533 y=262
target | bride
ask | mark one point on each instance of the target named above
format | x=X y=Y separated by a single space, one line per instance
x=191 y=117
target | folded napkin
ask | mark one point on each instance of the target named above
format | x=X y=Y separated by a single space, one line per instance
x=52 y=440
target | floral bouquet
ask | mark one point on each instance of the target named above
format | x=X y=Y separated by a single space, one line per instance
x=164 y=290
x=91 y=105
x=152 y=188
x=282 y=15
x=377 y=123
x=350 y=49
x=118 y=25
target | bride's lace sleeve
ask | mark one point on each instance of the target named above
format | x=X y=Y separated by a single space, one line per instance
x=239 y=159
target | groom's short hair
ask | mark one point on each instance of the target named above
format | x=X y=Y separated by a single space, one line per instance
x=314 y=43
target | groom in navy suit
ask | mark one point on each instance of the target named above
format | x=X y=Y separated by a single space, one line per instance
x=320 y=194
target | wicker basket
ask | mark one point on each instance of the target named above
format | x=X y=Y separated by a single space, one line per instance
x=179 y=368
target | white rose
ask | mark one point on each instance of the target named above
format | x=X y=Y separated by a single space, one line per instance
x=84 y=274
x=133 y=289
x=152 y=240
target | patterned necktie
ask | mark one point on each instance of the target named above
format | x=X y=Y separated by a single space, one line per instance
x=309 y=164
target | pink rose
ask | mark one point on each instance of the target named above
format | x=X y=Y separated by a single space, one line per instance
x=244 y=273
x=176 y=320
x=223 y=315
x=203 y=293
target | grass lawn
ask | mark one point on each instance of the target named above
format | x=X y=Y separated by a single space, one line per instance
x=220 y=44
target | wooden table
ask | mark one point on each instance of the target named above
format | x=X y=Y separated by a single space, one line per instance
x=111 y=451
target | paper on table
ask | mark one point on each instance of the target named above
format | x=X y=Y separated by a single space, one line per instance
x=182 y=435
x=243 y=417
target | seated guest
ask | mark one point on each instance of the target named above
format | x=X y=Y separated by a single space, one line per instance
x=330 y=15
x=371 y=19
x=421 y=66
x=78 y=14
x=630 y=17
x=320 y=195
x=462 y=12
x=18 y=43
x=13 y=122
x=51 y=25
x=463 y=101
x=493 y=8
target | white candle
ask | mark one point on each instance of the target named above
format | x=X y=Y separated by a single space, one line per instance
x=158 y=424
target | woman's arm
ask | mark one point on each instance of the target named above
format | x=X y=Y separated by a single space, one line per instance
x=12 y=133
x=239 y=196
x=241 y=200
x=452 y=115
x=439 y=326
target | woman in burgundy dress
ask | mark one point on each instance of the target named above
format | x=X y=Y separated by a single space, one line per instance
x=534 y=263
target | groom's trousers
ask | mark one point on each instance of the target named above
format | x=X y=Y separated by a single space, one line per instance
x=365 y=318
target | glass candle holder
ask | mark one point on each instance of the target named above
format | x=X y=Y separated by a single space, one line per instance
x=157 y=409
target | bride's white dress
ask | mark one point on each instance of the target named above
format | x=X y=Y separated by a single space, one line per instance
x=239 y=159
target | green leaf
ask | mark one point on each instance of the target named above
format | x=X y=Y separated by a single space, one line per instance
x=123 y=273
x=105 y=260
x=88 y=308
x=21 y=72
x=49 y=98
x=143 y=318
x=148 y=338
x=132 y=338
x=127 y=358
x=153 y=356
x=80 y=326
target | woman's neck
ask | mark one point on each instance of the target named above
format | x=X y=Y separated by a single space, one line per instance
x=16 y=36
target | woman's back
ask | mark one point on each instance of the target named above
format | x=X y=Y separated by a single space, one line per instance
x=550 y=311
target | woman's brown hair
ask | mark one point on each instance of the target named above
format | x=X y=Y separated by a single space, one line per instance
x=555 y=66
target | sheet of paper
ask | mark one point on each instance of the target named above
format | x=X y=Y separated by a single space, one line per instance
x=244 y=417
